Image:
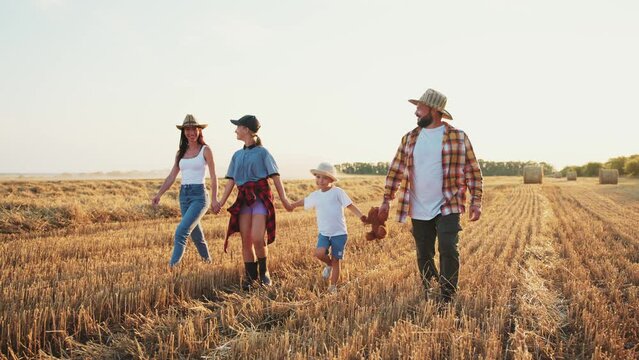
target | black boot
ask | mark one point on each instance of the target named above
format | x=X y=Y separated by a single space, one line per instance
x=250 y=275
x=265 y=277
x=448 y=290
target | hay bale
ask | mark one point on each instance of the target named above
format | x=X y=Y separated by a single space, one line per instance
x=571 y=176
x=533 y=174
x=608 y=176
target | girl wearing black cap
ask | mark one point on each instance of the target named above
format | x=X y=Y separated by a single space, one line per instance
x=253 y=212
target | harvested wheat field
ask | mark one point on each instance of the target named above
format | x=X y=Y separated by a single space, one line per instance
x=550 y=272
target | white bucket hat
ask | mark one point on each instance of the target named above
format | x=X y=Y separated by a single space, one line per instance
x=435 y=100
x=325 y=169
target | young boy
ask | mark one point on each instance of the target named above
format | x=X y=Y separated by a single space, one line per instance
x=329 y=202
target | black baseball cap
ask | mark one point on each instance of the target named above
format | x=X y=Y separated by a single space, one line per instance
x=250 y=121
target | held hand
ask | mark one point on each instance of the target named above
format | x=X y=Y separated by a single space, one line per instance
x=287 y=204
x=215 y=206
x=155 y=201
x=474 y=213
x=364 y=219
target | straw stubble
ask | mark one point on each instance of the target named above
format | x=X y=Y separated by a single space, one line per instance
x=532 y=284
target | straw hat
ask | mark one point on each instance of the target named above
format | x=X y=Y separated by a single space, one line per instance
x=435 y=100
x=325 y=169
x=190 y=121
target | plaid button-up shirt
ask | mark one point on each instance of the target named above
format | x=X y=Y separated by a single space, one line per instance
x=460 y=167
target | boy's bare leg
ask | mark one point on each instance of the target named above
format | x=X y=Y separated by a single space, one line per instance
x=335 y=263
x=321 y=254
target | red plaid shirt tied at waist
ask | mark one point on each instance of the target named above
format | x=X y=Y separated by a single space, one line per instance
x=247 y=194
x=460 y=167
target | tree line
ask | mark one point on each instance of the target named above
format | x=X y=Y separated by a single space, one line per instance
x=488 y=168
x=627 y=165
x=510 y=168
x=362 y=168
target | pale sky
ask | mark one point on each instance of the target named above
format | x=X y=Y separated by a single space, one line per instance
x=91 y=86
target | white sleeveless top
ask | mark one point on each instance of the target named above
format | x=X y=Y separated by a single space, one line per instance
x=193 y=169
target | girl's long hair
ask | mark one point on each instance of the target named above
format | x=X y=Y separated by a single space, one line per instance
x=184 y=144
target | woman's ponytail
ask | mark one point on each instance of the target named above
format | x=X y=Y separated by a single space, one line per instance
x=258 y=141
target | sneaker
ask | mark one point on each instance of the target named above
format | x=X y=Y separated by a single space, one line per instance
x=332 y=289
x=326 y=273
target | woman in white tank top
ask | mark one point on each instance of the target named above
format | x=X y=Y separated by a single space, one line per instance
x=193 y=157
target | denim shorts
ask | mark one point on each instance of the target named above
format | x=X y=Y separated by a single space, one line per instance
x=257 y=208
x=337 y=244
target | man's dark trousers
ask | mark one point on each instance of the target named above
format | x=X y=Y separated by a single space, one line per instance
x=446 y=228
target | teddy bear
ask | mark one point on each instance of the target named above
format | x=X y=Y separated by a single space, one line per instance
x=378 y=224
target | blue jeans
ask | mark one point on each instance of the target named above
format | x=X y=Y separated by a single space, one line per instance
x=194 y=202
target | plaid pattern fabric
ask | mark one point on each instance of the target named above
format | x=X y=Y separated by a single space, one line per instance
x=246 y=195
x=460 y=167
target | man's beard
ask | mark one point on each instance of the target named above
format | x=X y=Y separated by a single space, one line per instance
x=425 y=120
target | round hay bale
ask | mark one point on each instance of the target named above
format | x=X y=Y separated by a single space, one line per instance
x=608 y=176
x=571 y=176
x=533 y=174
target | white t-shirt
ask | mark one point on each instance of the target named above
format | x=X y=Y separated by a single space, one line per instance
x=329 y=206
x=426 y=193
